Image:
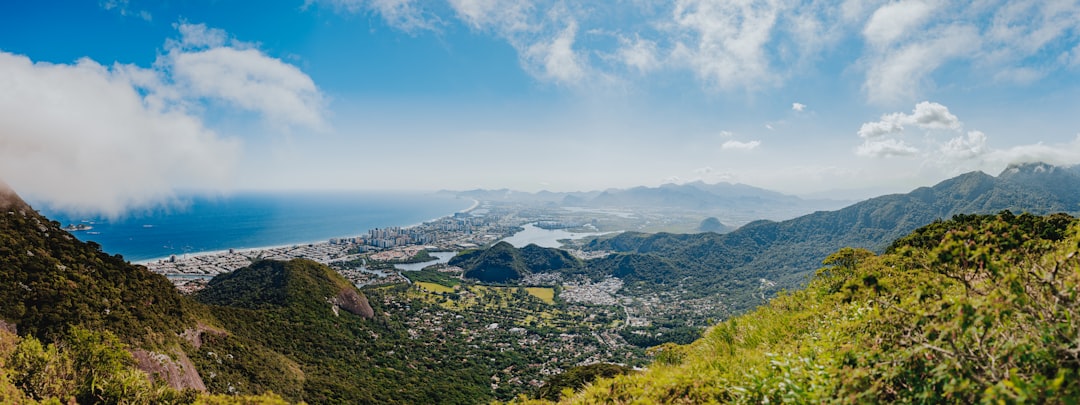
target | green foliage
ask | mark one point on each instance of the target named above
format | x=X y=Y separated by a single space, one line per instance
x=503 y=262
x=41 y=372
x=49 y=280
x=986 y=314
x=84 y=366
x=575 y=378
x=302 y=350
x=787 y=252
x=428 y=276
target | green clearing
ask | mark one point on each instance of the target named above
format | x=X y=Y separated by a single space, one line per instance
x=546 y=294
x=437 y=288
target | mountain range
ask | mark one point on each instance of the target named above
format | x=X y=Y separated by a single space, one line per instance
x=729 y=199
x=784 y=253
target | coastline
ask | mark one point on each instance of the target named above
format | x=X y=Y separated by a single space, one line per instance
x=324 y=241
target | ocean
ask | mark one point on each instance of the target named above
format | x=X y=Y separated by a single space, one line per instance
x=252 y=220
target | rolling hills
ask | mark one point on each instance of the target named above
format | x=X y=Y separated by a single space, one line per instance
x=787 y=252
x=979 y=309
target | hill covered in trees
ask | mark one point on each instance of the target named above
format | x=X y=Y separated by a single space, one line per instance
x=787 y=252
x=975 y=309
x=503 y=262
x=79 y=324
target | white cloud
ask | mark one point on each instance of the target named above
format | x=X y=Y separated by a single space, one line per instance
x=1064 y=154
x=799 y=107
x=877 y=135
x=926 y=115
x=724 y=42
x=737 y=145
x=896 y=20
x=968 y=146
x=503 y=16
x=727 y=134
x=124 y=8
x=900 y=73
x=544 y=37
x=556 y=60
x=994 y=41
x=753 y=44
x=90 y=138
x=82 y=138
x=205 y=64
x=888 y=147
x=639 y=54
x=199 y=36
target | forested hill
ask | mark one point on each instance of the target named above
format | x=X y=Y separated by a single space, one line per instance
x=980 y=309
x=787 y=252
x=49 y=281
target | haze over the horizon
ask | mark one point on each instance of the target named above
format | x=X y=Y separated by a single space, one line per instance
x=111 y=105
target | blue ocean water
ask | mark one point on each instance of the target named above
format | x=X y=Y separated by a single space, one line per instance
x=251 y=220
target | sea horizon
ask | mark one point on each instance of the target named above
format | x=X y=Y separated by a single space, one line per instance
x=247 y=221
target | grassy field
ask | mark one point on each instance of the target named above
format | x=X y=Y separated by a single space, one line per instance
x=437 y=288
x=545 y=294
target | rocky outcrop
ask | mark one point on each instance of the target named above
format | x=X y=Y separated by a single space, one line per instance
x=10 y=327
x=176 y=370
x=350 y=300
x=194 y=335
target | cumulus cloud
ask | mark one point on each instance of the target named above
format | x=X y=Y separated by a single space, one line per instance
x=91 y=138
x=969 y=146
x=206 y=64
x=877 y=135
x=737 y=145
x=82 y=138
x=926 y=115
x=798 y=107
x=961 y=151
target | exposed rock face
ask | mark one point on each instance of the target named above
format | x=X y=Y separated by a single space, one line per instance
x=349 y=300
x=10 y=327
x=178 y=373
x=194 y=336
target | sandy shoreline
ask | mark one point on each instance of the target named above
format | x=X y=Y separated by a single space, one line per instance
x=475 y=204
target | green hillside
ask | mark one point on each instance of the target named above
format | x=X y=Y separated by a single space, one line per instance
x=787 y=252
x=503 y=263
x=975 y=309
x=50 y=281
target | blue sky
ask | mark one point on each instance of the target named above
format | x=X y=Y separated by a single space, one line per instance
x=112 y=105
